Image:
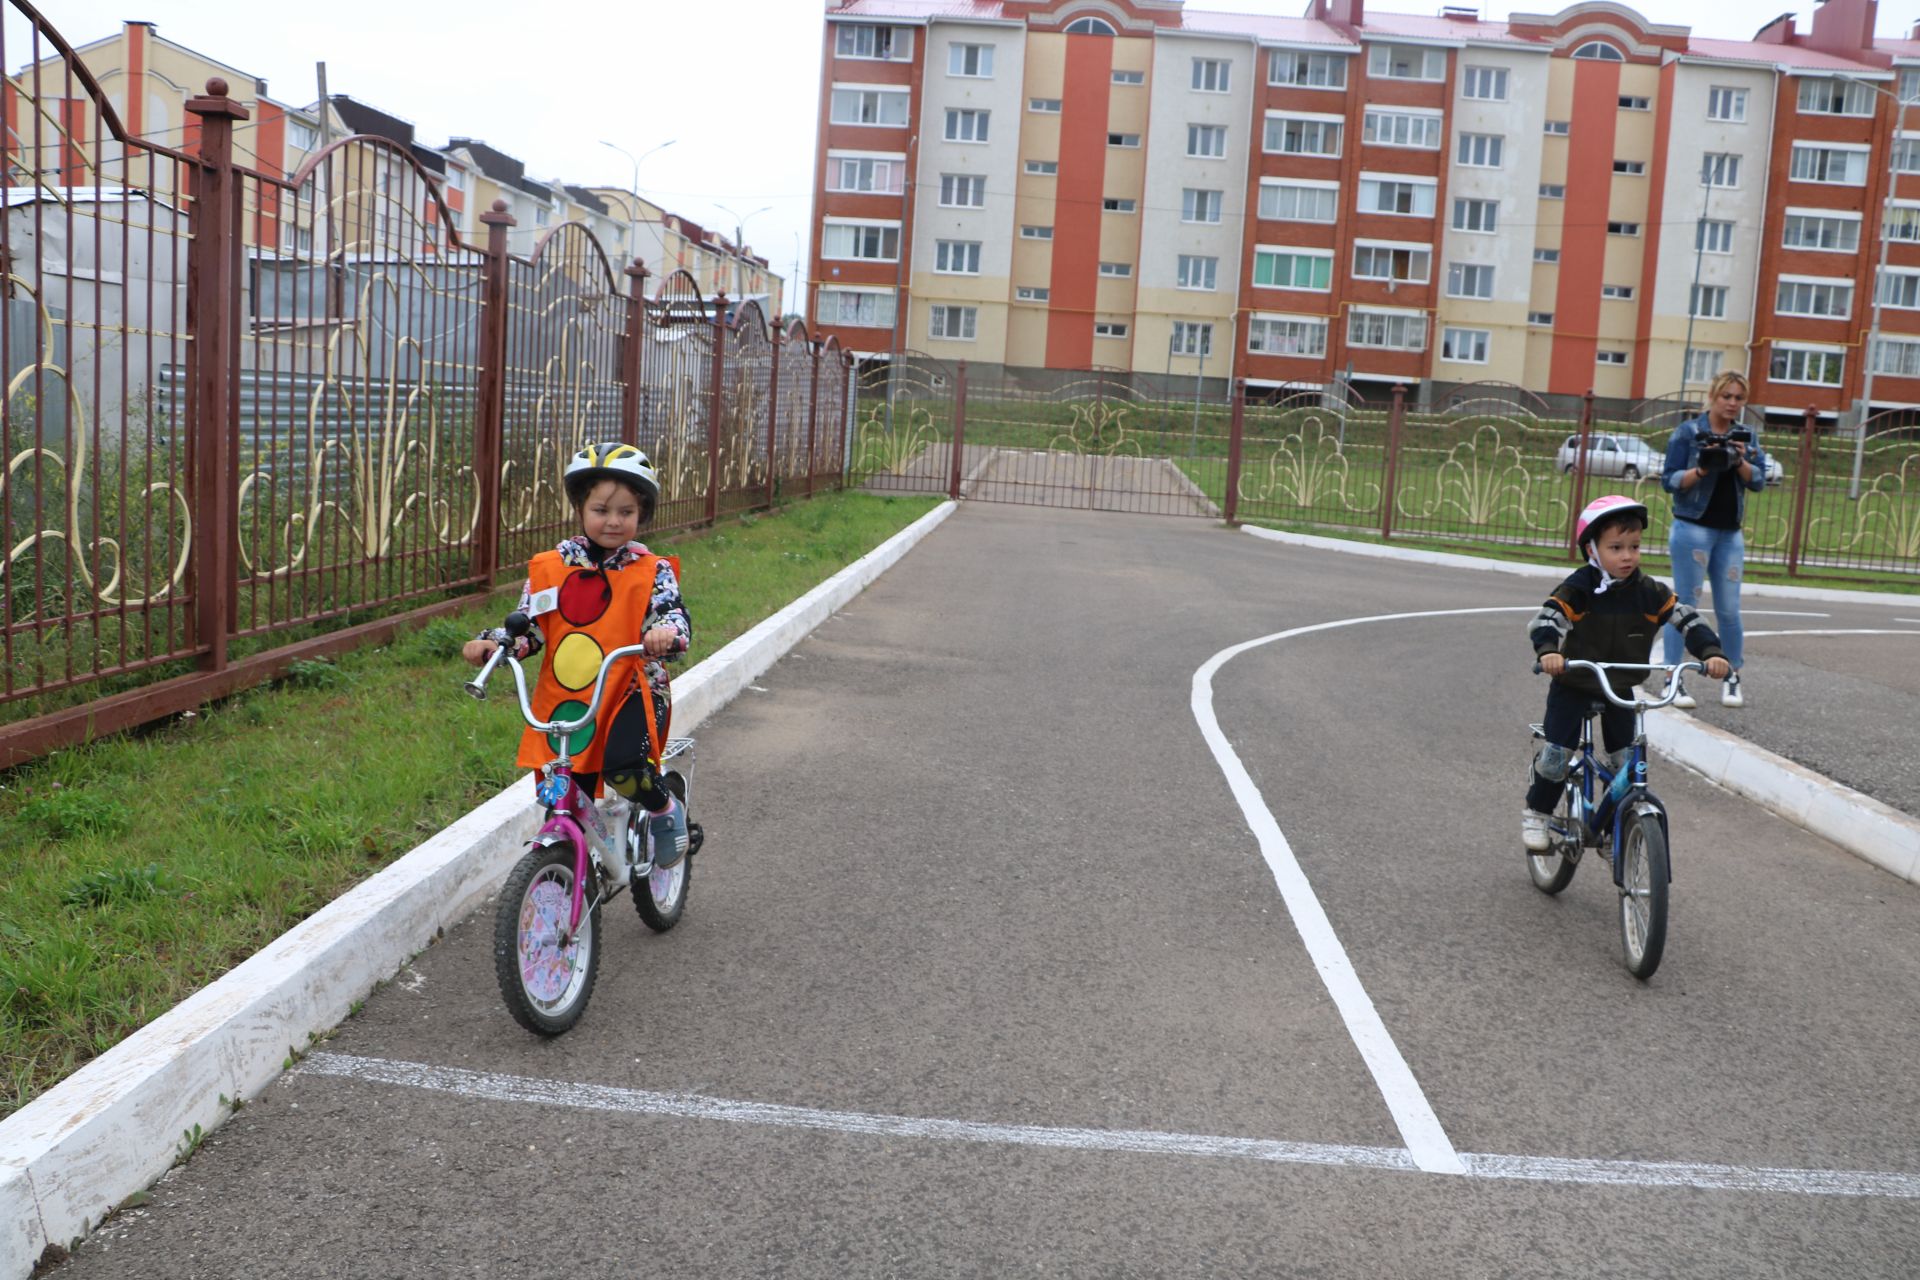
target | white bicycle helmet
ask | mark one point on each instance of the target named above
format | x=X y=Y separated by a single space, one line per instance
x=1602 y=509
x=611 y=461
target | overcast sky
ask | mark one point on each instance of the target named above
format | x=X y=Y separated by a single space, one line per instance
x=732 y=84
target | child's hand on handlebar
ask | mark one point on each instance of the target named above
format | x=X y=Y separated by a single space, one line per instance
x=1553 y=663
x=661 y=641
x=1718 y=669
x=478 y=651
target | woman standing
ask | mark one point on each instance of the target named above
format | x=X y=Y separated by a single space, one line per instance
x=1709 y=468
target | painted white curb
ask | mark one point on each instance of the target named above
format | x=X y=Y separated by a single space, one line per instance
x=118 y=1123
x=1857 y=823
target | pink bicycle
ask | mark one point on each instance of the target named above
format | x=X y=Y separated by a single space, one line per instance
x=546 y=931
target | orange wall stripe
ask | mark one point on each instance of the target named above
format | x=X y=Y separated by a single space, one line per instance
x=1075 y=278
x=1583 y=244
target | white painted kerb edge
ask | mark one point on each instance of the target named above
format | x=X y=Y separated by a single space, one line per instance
x=112 y=1127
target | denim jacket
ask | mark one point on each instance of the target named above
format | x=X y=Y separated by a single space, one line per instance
x=1683 y=455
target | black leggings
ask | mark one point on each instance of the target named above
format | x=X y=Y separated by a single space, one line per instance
x=1567 y=710
x=628 y=761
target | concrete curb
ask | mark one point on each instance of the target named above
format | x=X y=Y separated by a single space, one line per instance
x=74 y=1153
x=1857 y=823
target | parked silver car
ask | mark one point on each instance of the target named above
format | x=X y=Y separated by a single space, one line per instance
x=1628 y=457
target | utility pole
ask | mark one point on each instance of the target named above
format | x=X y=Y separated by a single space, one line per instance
x=1879 y=278
x=1699 y=253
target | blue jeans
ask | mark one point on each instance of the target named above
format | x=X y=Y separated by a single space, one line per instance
x=1717 y=555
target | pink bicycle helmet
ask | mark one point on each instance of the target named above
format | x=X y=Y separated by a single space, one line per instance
x=1601 y=509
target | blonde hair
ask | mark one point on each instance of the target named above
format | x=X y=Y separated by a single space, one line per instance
x=1719 y=384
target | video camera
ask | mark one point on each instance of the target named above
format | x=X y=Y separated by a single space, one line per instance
x=1716 y=452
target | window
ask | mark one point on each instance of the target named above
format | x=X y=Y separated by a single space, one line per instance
x=1391 y=330
x=1835 y=97
x=1634 y=102
x=1293 y=269
x=1043 y=168
x=1548 y=256
x=1109 y=329
x=868 y=308
x=1897 y=356
x=1906 y=155
x=1190 y=339
x=966 y=125
x=1386 y=128
x=1724 y=103
x=456 y=176
x=963 y=190
x=1703 y=366
x=302 y=136
x=1476 y=215
x=956 y=257
x=1030 y=293
x=1116 y=270
x=1599 y=51
x=1611 y=357
x=975 y=60
x=1814 y=366
x=1708 y=302
x=1123 y=139
x=1540 y=319
x=1469 y=280
x=1407 y=62
x=1044 y=106
x=1385 y=260
x=1118 y=204
x=1553 y=191
x=1287 y=336
x=1623 y=228
x=1489 y=83
x=1307 y=70
x=875 y=242
x=1465 y=346
x=1480 y=150
x=1617 y=292
x=1302 y=136
x=1903 y=222
x=889 y=44
x=1392 y=195
x=1089 y=27
x=1298 y=202
x=1900 y=289
x=1197 y=205
x=1713 y=236
x=1210 y=74
x=884 y=107
x=1559 y=128
x=952 y=323
x=1198 y=272
x=1630 y=167
x=1842 y=166
x=1207 y=141
x=1909 y=89
x=1036 y=233
x=1831 y=232
x=865 y=173
x=1719 y=169
x=1129 y=77
x=1822 y=299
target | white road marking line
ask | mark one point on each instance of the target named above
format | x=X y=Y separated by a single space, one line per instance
x=1914 y=620
x=491 y=1087
x=1859 y=631
x=1773 y=613
x=1426 y=1141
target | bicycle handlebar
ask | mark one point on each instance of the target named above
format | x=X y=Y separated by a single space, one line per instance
x=1600 y=669
x=478 y=685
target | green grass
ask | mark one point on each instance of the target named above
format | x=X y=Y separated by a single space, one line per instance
x=135 y=870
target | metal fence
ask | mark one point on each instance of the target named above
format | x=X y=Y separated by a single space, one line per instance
x=251 y=418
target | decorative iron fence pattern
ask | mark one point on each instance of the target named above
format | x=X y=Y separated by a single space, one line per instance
x=243 y=409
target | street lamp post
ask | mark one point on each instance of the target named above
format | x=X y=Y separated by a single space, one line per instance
x=633 y=212
x=740 y=245
x=1873 y=327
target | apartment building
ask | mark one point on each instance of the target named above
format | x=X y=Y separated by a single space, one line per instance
x=1587 y=200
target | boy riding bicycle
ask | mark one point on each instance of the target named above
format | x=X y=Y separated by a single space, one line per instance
x=1606 y=611
x=595 y=592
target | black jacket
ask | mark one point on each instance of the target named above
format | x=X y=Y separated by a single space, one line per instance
x=1618 y=625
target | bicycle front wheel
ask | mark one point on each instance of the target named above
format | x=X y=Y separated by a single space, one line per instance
x=546 y=973
x=1643 y=894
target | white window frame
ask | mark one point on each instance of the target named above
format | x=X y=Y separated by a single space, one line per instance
x=1630 y=168
x=1558 y=128
x=1122 y=75
x=956 y=184
x=1899 y=288
x=1803 y=296
x=1807 y=352
x=1211 y=133
x=1858 y=158
x=980 y=55
x=1459 y=274
x=1291 y=337
x=893 y=163
x=967 y=125
x=1417 y=254
x=1044 y=106
x=1615 y=359
x=1421 y=194
x=883 y=96
x=949 y=322
x=1452 y=335
x=1191 y=338
x=1109 y=328
x=1902 y=223
x=1033 y=231
x=1474 y=215
x=1540 y=319
x=1834 y=96
x=1197 y=272
x=1041 y=168
x=1599 y=51
x=1365 y=323
x=1707 y=301
x=1720 y=170
x=1324 y=128
x=1704 y=364
x=883 y=300
x=1896 y=356
x=1414 y=128
x=1616 y=293
x=1825 y=221
x=1126 y=141
x=1623 y=229
x=1119 y=204
x=1116 y=270
x=1212 y=75
x=1713 y=235
x=1326 y=197
x=1545 y=255
x=1293 y=255
x=1031 y=293
x=1727 y=104
x=1195 y=203
x=1475 y=78
x=1553 y=191
x=1481 y=151
x=1635 y=102
x=1421 y=62
x=899 y=41
x=956 y=257
x=881 y=225
x=1298 y=61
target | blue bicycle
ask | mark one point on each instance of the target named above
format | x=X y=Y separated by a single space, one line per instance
x=1614 y=809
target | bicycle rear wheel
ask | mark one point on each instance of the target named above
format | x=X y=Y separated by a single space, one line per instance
x=1643 y=894
x=1553 y=870
x=662 y=896
x=546 y=975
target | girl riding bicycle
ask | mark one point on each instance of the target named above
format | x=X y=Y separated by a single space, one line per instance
x=1606 y=611
x=593 y=593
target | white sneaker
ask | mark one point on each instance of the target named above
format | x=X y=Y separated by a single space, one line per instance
x=1730 y=695
x=1533 y=830
x=1683 y=700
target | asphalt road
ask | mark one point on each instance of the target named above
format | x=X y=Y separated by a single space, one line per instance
x=985 y=973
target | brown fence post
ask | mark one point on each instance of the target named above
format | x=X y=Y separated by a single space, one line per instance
x=1802 y=490
x=1235 y=439
x=1395 y=416
x=717 y=406
x=213 y=372
x=1580 y=451
x=959 y=430
x=490 y=416
x=816 y=353
x=633 y=353
x=776 y=341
